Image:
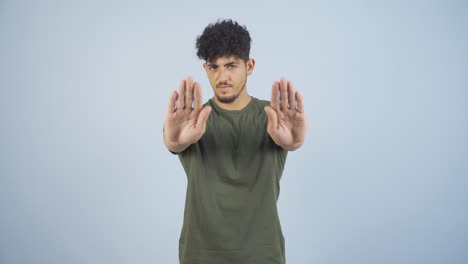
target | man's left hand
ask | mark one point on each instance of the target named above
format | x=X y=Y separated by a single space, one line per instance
x=287 y=123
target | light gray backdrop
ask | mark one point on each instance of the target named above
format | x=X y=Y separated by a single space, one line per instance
x=381 y=178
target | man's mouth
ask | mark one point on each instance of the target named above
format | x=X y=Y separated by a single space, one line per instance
x=224 y=86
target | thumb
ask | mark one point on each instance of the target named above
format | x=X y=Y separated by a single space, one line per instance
x=272 y=120
x=203 y=117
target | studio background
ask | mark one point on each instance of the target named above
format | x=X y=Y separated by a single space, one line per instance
x=84 y=86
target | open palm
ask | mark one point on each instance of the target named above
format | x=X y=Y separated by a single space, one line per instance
x=287 y=123
x=185 y=121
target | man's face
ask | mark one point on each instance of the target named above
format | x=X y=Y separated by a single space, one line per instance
x=228 y=77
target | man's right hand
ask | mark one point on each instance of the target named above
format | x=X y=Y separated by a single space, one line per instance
x=185 y=124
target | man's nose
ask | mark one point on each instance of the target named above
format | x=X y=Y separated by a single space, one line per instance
x=223 y=75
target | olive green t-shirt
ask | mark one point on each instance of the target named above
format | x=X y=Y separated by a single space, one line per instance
x=233 y=184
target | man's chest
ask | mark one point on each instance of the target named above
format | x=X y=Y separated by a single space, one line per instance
x=235 y=133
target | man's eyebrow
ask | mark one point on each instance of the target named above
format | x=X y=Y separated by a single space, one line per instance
x=230 y=63
x=214 y=65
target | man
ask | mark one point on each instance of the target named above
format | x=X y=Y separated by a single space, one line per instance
x=233 y=149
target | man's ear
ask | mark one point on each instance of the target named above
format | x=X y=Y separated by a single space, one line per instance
x=250 y=66
x=204 y=65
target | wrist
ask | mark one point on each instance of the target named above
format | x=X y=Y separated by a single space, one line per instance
x=172 y=145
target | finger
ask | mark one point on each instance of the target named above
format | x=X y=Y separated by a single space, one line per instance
x=172 y=101
x=291 y=96
x=283 y=94
x=181 y=97
x=189 y=96
x=275 y=96
x=202 y=118
x=188 y=90
x=197 y=97
x=272 y=120
x=300 y=104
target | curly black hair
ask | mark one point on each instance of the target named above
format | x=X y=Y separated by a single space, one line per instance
x=223 y=38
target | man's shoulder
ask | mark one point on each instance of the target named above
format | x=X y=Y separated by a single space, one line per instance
x=259 y=104
x=261 y=101
x=208 y=102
